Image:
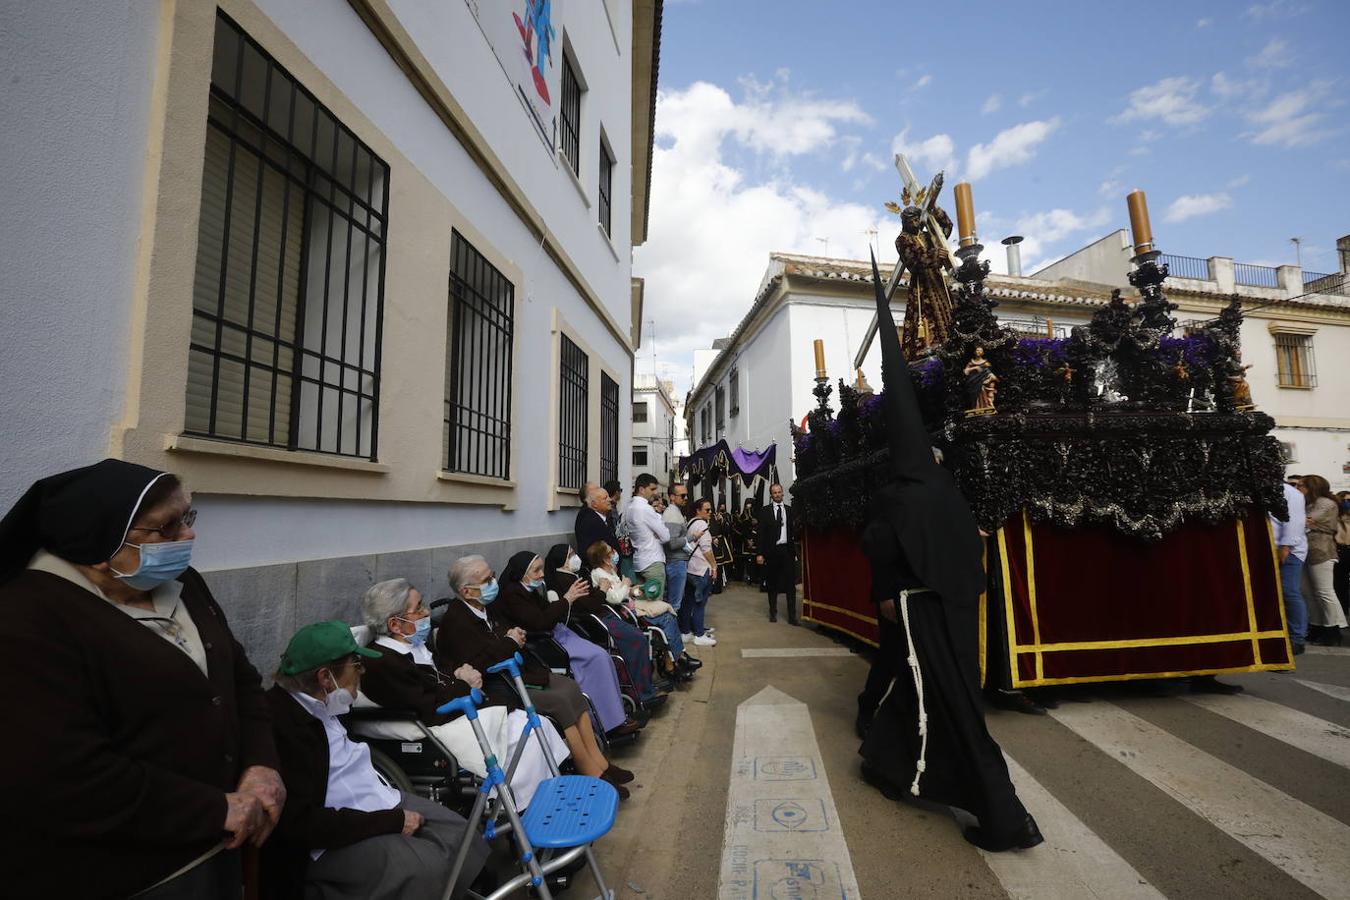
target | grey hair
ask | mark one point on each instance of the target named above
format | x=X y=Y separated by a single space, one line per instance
x=460 y=569
x=594 y=493
x=383 y=600
x=301 y=682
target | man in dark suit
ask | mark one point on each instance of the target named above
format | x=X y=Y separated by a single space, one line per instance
x=776 y=556
x=593 y=522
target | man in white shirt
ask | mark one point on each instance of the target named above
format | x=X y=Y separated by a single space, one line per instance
x=1291 y=543
x=348 y=834
x=648 y=533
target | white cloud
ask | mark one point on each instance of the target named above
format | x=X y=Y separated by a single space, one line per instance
x=1274 y=55
x=1227 y=88
x=1043 y=233
x=1289 y=120
x=1204 y=23
x=1240 y=181
x=1110 y=187
x=936 y=153
x=1030 y=97
x=1190 y=206
x=923 y=82
x=713 y=225
x=991 y=104
x=1274 y=9
x=1172 y=100
x=1010 y=147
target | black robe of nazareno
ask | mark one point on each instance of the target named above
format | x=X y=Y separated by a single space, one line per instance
x=934 y=543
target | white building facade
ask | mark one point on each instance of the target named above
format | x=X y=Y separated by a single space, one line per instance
x=359 y=272
x=653 y=428
x=762 y=379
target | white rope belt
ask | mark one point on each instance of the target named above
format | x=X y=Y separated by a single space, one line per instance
x=918 y=687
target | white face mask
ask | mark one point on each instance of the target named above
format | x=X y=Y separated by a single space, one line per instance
x=574 y=563
x=339 y=702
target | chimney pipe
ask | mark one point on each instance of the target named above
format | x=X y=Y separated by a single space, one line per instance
x=1014 y=254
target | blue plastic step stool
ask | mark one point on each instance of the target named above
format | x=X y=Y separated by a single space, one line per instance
x=570 y=810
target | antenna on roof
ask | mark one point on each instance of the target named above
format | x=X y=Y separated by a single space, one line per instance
x=1298 y=250
x=826 y=242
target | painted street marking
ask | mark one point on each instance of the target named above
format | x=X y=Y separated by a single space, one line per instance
x=782 y=839
x=1304 y=842
x=1298 y=729
x=789 y=652
x=1073 y=861
x=1331 y=690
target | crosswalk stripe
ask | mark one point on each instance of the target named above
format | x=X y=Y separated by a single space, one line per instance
x=1073 y=861
x=1304 y=842
x=1327 y=651
x=1298 y=729
x=1331 y=690
x=789 y=652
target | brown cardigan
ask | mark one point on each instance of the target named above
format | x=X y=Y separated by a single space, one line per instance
x=119 y=751
x=306 y=824
x=464 y=638
x=394 y=681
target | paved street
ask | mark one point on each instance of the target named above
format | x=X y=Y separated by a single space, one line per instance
x=1138 y=796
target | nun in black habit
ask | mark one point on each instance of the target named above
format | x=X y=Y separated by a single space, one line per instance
x=928 y=737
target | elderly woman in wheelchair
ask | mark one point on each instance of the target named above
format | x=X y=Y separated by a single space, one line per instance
x=405 y=677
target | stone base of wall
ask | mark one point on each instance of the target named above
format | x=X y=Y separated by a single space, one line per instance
x=266 y=604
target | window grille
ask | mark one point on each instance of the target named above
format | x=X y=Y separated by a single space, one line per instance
x=476 y=434
x=570 y=117
x=288 y=292
x=1294 y=360
x=640 y=411
x=720 y=402
x=609 y=429
x=640 y=456
x=734 y=388
x=606 y=185
x=573 y=388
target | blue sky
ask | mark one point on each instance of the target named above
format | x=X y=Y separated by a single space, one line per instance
x=777 y=124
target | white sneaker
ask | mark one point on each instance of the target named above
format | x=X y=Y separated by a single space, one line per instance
x=686 y=638
x=705 y=640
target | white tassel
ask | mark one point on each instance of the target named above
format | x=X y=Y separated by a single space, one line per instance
x=918 y=689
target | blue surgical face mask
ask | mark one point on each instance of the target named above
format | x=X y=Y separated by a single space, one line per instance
x=160 y=564
x=614 y=560
x=536 y=585
x=419 y=637
x=488 y=592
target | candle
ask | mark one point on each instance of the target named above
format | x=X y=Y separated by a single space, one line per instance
x=820 y=358
x=1139 y=225
x=965 y=214
x=1050 y=328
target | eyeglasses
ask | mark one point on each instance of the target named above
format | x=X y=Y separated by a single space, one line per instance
x=173 y=527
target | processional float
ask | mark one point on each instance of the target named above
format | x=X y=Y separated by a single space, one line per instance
x=1122 y=475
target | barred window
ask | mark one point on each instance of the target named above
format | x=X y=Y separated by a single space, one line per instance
x=606 y=185
x=1294 y=359
x=734 y=387
x=640 y=456
x=288 y=295
x=720 y=401
x=476 y=437
x=573 y=389
x=640 y=411
x=609 y=429
x=570 y=118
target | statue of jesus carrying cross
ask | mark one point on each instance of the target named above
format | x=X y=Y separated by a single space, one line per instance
x=922 y=246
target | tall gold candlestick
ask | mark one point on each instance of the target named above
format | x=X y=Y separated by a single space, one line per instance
x=965 y=214
x=1140 y=228
x=820 y=358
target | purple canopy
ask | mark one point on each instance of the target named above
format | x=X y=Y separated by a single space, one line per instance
x=748 y=464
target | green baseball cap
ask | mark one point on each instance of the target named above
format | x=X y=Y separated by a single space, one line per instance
x=652 y=588
x=320 y=643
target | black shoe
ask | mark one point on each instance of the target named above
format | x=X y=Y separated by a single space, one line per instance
x=691 y=663
x=1043 y=697
x=794 y=621
x=1208 y=684
x=654 y=702
x=1015 y=701
x=1298 y=649
x=889 y=789
x=1024 y=838
x=773 y=618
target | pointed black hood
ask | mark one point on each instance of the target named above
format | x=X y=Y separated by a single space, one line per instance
x=928 y=514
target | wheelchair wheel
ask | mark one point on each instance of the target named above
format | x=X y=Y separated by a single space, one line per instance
x=391 y=772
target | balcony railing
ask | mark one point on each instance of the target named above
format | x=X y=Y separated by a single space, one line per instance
x=1186 y=266
x=1309 y=277
x=1255 y=276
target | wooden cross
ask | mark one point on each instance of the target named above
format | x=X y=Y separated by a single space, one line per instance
x=936 y=236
